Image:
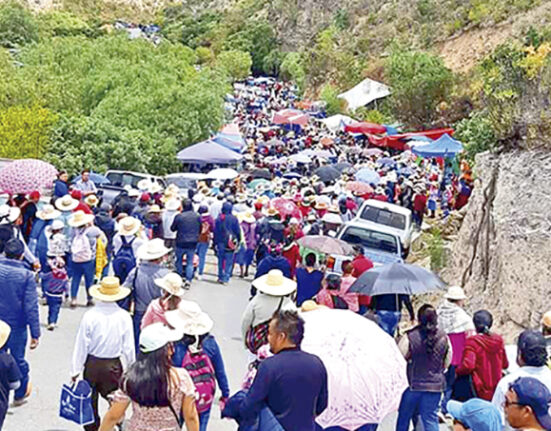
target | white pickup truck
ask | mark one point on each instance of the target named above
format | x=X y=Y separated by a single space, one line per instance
x=392 y=218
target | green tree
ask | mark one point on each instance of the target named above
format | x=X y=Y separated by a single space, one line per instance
x=25 y=131
x=476 y=133
x=419 y=82
x=235 y=64
x=292 y=69
x=329 y=94
x=17 y=25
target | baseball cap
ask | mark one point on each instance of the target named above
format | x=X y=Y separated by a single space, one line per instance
x=476 y=414
x=531 y=392
x=532 y=347
x=157 y=335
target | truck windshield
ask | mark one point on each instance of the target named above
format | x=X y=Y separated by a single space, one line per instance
x=121 y=179
x=371 y=239
x=384 y=217
x=183 y=183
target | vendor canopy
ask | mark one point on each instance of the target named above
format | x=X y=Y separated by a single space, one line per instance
x=337 y=122
x=445 y=146
x=291 y=116
x=364 y=93
x=208 y=152
x=230 y=137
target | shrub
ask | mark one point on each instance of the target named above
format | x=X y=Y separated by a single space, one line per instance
x=235 y=64
x=204 y=55
x=292 y=69
x=476 y=133
x=333 y=105
x=17 y=25
x=436 y=250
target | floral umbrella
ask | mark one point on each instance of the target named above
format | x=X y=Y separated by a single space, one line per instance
x=25 y=175
x=359 y=187
x=326 y=245
x=366 y=372
x=286 y=208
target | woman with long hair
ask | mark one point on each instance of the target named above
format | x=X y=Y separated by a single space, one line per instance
x=428 y=354
x=160 y=394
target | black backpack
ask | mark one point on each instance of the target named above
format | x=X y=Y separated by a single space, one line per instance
x=6 y=233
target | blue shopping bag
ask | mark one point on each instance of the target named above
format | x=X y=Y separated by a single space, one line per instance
x=76 y=403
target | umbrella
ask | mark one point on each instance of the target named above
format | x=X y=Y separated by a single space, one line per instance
x=286 y=208
x=326 y=141
x=292 y=175
x=254 y=183
x=323 y=154
x=343 y=166
x=300 y=158
x=359 y=187
x=222 y=174
x=386 y=161
x=291 y=116
x=398 y=278
x=327 y=173
x=208 y=152
x=26 y=175
x=326 y=245
x=368 y=176
x=372 y=152
x=95 y=178
x=366 y=372
x=261 y=173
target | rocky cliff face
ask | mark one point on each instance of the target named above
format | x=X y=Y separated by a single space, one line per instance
x=503 y=252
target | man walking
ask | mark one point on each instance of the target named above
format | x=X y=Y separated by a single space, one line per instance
x=187 y=226
x=85 y=184
x=19 y=309
x=104 y=337
x=292 y=384
x=227 y=237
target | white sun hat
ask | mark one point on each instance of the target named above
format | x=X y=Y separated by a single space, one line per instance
x=455 y=293
x=80 y=218
x=66 y=203
x=48 y=212
x=172 y=283
x=189 y=319
x=275 y=284
x=157 y=335
x=9 y=214
x=128 y=226
x=153 y=249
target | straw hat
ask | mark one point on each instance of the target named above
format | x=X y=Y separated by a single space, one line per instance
x=153 y=249
x=332 y=218
x=189 y=319
x=546 y=320
x=270 y=212
x=172 y=205
x=109 y=290
x=9 y=214
x=154 y=209
x=247 y=217
x=275 y=284
x=320 y=205
x=66 y=203
x=129 y=226
x=172 y=283
x=91 y=200
x=80 y=218
x=57 y=225
x=263 y=199
x=48 y=212
x=309 y=305
x=455 y=293
x=5 y=331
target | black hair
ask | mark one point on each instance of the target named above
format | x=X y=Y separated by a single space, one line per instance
x=310 y=259
x=532 y=348
x=60 y=173
x=187 y=205
x=14 y=249
x=428 y=322
x=147 y=381
x=483 y=321
x=85 y=171
x=291 y=324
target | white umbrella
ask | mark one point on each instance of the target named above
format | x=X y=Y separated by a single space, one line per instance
x=222 y=174
x=366 y=371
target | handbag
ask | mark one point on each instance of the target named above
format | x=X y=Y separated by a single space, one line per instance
x=257 y=336
x=75 y=403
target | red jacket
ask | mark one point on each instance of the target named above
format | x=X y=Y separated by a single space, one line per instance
x=484 y=358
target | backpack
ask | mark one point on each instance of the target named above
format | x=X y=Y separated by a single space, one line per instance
x=6 y=233
x=81 y=249
x=124 y=260
x=200 y=368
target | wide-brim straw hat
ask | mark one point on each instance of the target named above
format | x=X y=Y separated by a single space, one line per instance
x=455 y=293
x=270 y=212
x=247 y=217
x=172 y=204
x=189 y=319
x=275 y=284
x=66 y=203
x=80 y=218
x=154 y=209
x=320 y=205
x=5 y=331
x=91 y=200
x=546 y=320
x=109 y=290
x=48 y=212
x=128 y=226
x=153 y=249
x=172 y=283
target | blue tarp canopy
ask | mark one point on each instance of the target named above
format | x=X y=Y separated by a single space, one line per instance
x=208 y=152
x=445 y=146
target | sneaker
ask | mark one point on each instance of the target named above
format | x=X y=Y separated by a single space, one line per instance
x=73 y=303
x=90 y=303
x=187 y=285
x=19 y=402
x=50 y=327
x=199 y=277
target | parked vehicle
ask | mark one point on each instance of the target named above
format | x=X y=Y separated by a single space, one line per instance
x=394 y=218
x=119 y=179
x=185 y=181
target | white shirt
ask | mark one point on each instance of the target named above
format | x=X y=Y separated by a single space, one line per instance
x=543 y=374
x=105 y=332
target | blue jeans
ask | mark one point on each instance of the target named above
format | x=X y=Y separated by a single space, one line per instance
x=86 y=269
x=450 y=380
x=366 y=427
x=105 y=272
x=388 y=320
x=267 y=421
x=225 y=265
x=179 y=253
x=202 y=248
x=137 y=322
x=423 y=403
x=54 y=305
x=204 y=420
x=17 y=343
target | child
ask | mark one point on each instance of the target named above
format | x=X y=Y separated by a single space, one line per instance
x=54 y=277
x=10 y=376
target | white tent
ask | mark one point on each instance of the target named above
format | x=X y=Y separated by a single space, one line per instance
x=365 y=92
x=337 y=122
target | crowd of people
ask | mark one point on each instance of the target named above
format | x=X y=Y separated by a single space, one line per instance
x=143 y=344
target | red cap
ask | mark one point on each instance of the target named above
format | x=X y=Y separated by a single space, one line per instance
x=76 y=194
x=145 y=197
x=34 y=195
x=258 y=206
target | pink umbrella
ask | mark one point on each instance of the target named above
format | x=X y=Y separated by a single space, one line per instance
x=291 y=116
x=358 y=187
x=286 y=208
x=26 y=175
x=366 y=371
x=372 y=152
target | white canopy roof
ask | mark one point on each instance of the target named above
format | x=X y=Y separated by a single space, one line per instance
x=365 y=92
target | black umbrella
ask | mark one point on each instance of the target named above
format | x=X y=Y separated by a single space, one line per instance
x=343 y=166
x=327 y=173
x=261 y=173
x=397 y=278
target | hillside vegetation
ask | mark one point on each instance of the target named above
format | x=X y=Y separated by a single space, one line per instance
x=76 y=91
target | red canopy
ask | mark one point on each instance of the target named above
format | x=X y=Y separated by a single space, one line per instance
x=365 y=128
x=291 y=116
x=399 y=142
